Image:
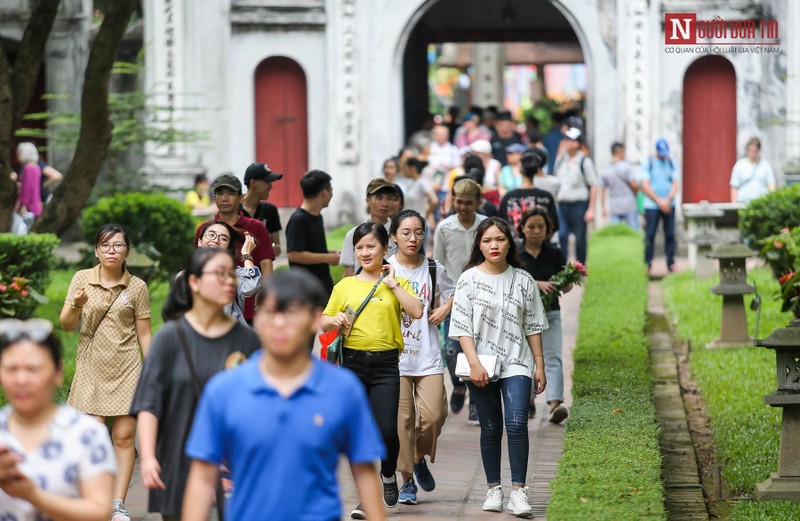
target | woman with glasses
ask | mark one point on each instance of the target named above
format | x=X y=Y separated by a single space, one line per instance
x=113 y=310
x=219 y=234
x=497 y=311
x=55 y=463
x=375 y=340
x=197 y=340
x=421 y=368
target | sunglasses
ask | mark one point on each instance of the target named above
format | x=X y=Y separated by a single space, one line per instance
x=36 y=329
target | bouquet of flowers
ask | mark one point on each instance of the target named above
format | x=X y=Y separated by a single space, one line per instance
x=572 y=273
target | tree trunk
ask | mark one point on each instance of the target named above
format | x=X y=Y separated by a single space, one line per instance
x=17 y=84
x=95 y=133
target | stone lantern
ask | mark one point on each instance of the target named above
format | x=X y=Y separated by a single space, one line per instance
x=785 y=484
x=141 y=264
x=702 y=229
x=733 y=287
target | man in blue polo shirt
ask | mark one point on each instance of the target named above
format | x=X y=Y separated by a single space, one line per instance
x=659 y=179
x=281 y=420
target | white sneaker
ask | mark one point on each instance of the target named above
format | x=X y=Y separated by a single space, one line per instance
x=494 y=499
x=118 y=511
x=518 y=503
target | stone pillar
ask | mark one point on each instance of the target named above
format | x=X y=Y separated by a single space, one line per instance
x=792 y=36
x=732 y=287
x=702 y=235
x=489 y=60
x=785 y=484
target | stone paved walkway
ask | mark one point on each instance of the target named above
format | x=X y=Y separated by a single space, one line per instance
x=461 y=487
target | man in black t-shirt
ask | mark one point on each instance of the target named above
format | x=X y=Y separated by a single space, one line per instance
x=504 y=135
x=258 y=179
x=306 y=245
x=515 y=202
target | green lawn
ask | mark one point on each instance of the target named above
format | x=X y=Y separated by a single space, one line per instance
x=611 y=465
x=733 y=383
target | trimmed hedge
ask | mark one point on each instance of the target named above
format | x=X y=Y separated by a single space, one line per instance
x=769 y=214
x=150 y=220
x=29 y=256
x=611 y=464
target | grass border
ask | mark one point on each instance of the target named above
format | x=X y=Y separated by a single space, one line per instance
x=611 y=465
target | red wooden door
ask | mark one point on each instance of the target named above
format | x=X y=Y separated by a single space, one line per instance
x=282 y=126
x=709 y=129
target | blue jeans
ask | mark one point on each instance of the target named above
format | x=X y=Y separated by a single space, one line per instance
x=380 y=374
x=651 y=218
x=515 y=392
x=570 y=217
x=631 y=219
x=553 y=368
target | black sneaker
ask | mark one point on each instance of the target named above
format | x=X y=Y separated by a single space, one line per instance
x=390 y=494
x=358 y=513
x=424 y=476
x=457 y=399
x=473 y=415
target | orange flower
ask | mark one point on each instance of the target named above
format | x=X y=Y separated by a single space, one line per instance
x=778 y=245
x=784 y=278
x=15 y=286
x=3 y=287
x=23 y=293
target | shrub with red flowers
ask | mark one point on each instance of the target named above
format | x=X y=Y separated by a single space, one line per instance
x=572 y=273
x=782 y=253
x=17 y=298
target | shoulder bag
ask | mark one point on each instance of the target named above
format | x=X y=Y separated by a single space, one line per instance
x=220 y=499
x=492 y=363
x=335 y=348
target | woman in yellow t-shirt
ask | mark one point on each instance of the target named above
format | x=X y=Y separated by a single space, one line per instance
x=372 y=349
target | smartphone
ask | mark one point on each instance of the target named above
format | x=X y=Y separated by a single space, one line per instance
x=351 y=316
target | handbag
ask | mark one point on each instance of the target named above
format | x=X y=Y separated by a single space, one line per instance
x=492 y=363
x=335 y=353
x=220 y=493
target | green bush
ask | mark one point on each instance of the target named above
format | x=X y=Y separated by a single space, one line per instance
x=151 y=220
x=611 y=465
x=29 y=256
x=770 y=214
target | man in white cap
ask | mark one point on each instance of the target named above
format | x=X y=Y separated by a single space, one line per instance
x=483 y=149
x=578 y=193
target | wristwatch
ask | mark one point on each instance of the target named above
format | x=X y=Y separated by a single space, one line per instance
x=247 y=256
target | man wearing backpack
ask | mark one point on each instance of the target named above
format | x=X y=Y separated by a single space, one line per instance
x=659 y=181
x=578 y=193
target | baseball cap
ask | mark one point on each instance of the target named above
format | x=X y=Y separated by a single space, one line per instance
x=505 y=115
x=573 y=133
x=380 y=184
x=516 y=148
x=261 y=172
x=481 y=146
x=662 y=147
x=228 y=180
x=470 y=116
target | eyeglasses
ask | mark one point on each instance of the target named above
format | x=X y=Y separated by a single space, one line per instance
x=36 y=329
x=223 y=275
x=211 y=235
x=118 y=247
x=419 y=234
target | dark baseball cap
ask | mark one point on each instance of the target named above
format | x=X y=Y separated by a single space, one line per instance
x=380 y=184
x=228 y=180
x=261 y=172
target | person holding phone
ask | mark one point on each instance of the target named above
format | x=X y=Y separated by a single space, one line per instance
x=55 y=463
x=374 y=343
x=497 y=310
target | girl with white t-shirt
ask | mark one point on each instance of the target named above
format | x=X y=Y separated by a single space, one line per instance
x=421 y=369
x=497 y=310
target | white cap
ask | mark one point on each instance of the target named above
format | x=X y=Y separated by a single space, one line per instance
x=481 y=146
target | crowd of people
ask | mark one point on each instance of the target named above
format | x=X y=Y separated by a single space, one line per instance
x=236 y=418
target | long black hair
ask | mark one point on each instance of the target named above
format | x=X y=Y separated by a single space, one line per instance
x=180 y=299
x=476 y=255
